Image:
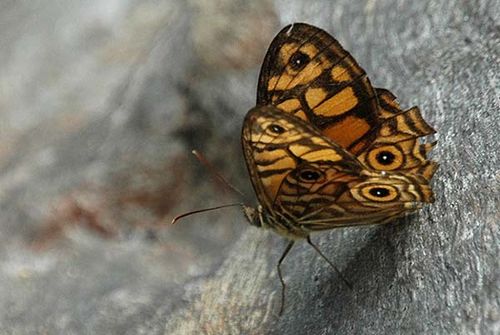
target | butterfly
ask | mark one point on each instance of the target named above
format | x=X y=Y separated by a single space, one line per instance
x=324 y=149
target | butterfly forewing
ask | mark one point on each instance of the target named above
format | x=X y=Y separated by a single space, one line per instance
x=307 y=73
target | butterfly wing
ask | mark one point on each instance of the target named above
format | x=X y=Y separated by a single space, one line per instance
x=303 y=178
x=275 y=144
x=396 y=145
x=307 y=73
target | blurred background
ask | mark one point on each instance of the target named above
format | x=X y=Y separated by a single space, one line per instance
x=101 y=103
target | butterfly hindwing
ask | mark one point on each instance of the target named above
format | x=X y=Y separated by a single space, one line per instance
x=396 y=146
x=299 y=173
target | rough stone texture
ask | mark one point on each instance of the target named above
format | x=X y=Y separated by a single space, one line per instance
x=101 y=103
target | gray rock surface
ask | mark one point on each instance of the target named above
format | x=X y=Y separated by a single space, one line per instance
x=101 y=103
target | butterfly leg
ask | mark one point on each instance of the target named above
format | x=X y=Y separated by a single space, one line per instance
x=329 y=262
x=287 y=249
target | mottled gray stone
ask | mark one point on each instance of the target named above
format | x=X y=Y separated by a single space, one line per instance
x=102 y=99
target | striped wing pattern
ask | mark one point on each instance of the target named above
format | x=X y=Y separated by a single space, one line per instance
x=306 y=182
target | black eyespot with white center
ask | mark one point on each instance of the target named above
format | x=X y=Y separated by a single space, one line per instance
x=299 y=60
x=276 y=129
x=309 y=175
x=379 y=192
x=385 y=157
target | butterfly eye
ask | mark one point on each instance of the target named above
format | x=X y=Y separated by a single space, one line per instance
x=379 y=192
x=276 y=129
x=299 y=60
x=309 y=175
x=385 y=157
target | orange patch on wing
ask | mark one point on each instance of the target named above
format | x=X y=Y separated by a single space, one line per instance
x=385 y=114
x=314 y=96
x=300 y=114
x=347 y=131
x=261 y=138
x=385 y=131
x=322 y=155
x=289 y=105
x=339 y=73
x=309 y=49
x=298 y=149
x=284 y=162
x=287 y=51
x=272 y=184
x=340 y=103
x=306 y=75
x=359 y=146
x=272 y=83
x=280 y=82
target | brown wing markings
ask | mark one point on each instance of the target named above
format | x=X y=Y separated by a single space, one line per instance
x=322 y=121
x=293 y=77
x=263 y=161
x=387 y=102
x=298 y=89
x=327 y=47
x=280 y=176
x=289 y=105
x=417 y=125
x=294 y=202
x=300 y=92
x=355 y=199
x=331 y=50
x=307 y=44
x=340 y=73
x=263 y=94
x=426 y=170
x=336 y=188
x=325 y=70
x=359 y=86
x=400 y=131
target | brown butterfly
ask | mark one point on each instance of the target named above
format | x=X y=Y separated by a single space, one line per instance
x=324 y=149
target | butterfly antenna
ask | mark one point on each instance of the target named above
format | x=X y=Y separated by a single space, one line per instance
x=180 y=216
x=215 y=173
